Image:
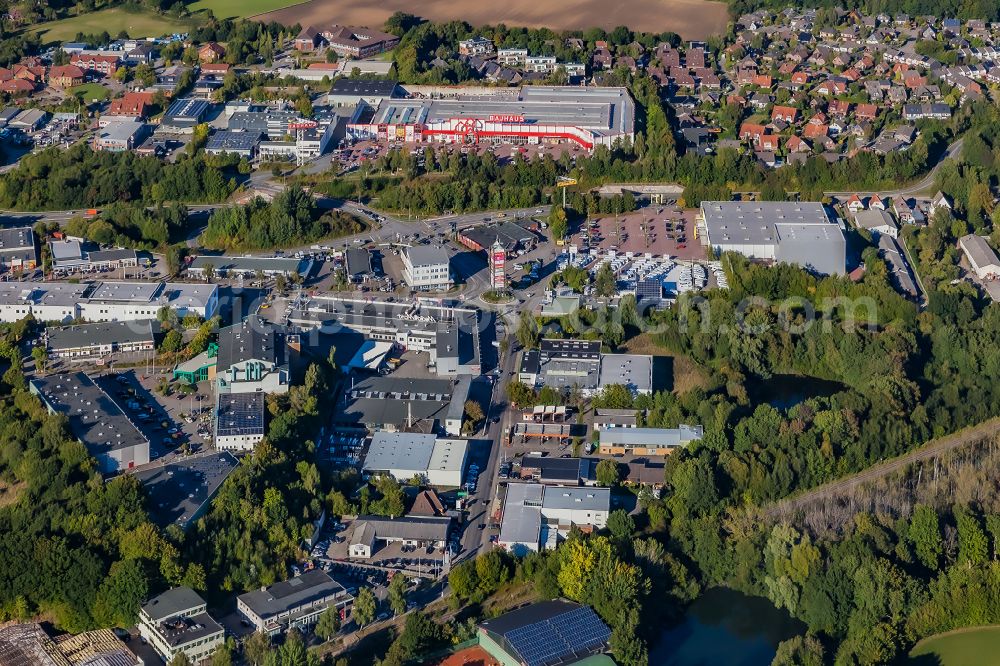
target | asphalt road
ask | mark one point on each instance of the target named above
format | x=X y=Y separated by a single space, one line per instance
x=915 y=188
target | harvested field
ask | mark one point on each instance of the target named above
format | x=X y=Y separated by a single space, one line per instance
x=692 y=19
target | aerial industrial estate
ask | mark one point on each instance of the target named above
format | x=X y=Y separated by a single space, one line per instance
x=442 y=344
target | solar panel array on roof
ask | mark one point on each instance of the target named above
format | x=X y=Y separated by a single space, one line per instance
x=550 y=641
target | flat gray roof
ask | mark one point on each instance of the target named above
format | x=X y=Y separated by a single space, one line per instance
x=399 y=450
x=251 y=264
x=752 y=222
x=651 y=437
x=605 y=111
x=583 y=499
x=170 y=603
x=179 y=491
x=102 y=333
x=522 y=519
x=42 y=293
x=131 y=292
x=427 y=255
x=634 y=371
x=17 y=238
x=288 y=595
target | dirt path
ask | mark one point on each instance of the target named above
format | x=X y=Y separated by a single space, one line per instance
x=692 y=19
x=843 y=486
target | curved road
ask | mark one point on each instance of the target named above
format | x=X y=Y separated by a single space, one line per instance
x=920 y=185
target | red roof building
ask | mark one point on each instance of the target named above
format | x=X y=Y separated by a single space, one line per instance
x=65 y=76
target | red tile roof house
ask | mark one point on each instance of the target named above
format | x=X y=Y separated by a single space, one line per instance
x=855 y=203
x=215 y=68
x=814 y=131
x=838 y=107
x=866 y=112
x=34 y=74
x=769 y=142
x=797 y=145
x=65 y=76
x=134 y=105
x=799 y=79
x=17 y=87
x=787 y=113
x=105 y=65
x=210 y=52
x=752 y=131
x=762 y=80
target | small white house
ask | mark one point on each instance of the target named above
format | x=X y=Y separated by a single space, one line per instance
x=982 y=259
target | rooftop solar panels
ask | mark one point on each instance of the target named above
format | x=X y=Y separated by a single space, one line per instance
x=554 y=640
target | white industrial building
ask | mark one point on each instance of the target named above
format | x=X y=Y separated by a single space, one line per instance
x=404 y=455
x=104 y=301
x=792 y=232
x=450 y=335
x=427 y=267
x=536 y=516
x=982 y=259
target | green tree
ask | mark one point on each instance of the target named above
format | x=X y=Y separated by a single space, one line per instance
x=558 y=223
x=328 y=623
x=256 y=648
x=521 y=394
x=364 y=607
x=463 y=581
x=925 y=535
x=799 y=651
x=492 y=571
x=973 y=546
x=397 y=594
x=608 y=473
x=620 y=524
x=605 y=283
x=293 y=651
x=121 y=594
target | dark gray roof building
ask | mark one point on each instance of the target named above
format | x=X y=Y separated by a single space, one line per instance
x=95 y=419
x=17 y=248
x=294 y=603
x=179 y=492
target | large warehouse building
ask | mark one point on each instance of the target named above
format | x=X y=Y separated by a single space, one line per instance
x=787 y=231
x=403 y=455
x=586 y=117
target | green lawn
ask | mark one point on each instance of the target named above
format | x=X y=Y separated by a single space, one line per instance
x=137 y=24
x=240 y=8
x=978 y=646
x=90 y=92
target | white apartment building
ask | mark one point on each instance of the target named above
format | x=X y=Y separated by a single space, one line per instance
x=427 y=268
x=177 y=622
x=512 y=56
x=535 y=516
x=104 y=301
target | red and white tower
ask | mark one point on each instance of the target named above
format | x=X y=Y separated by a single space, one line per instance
x=498 y=262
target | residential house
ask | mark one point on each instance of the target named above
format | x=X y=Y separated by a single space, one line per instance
x=65 y=76
x=211 y=52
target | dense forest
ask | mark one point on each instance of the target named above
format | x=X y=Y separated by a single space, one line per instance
x=291 y=218
x=78 y=177
x=78 y=550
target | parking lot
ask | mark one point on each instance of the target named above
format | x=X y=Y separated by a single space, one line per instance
x=168 y=422
x=657 y=230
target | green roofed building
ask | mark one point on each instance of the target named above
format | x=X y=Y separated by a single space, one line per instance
x=200 y=368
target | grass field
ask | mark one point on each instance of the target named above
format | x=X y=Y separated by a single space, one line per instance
x=975 y=646
x=137 y=24
x=240 y=8
x=90 y=92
